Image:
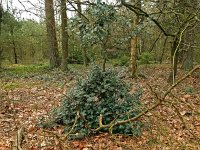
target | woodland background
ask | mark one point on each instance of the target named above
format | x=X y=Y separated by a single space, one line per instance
x=153 y=44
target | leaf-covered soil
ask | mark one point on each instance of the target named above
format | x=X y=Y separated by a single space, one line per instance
x=175 y=124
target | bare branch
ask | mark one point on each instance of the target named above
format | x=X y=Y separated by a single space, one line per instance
x=77 y=10
x=25 y=9
x=160 y=101
x=140 y=12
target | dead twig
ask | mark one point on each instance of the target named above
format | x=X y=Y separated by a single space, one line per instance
x=188 y=104
x=16 y=144
x=183 y=121
x=158 y=103
x=62 y=138
x=58 y=137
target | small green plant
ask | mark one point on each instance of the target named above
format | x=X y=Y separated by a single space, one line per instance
x=189 y=90
x=100 y=93
x=11 y=86
x=24 y=70
x=116 y=62
x=145 y=58
x=122 y=61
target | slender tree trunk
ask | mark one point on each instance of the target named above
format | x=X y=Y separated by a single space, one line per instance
x=1 y=16
x=163 y=50
x=14 y=46
x=1 y=48
x=133 y=56
x=84 y=52
x=180 y=40
x=154 y=44
x=134 y=41
x=64 y=64
x=51 y=34
x=104 y=54
x=189 y=40
x=174 y=61
x=187 y=51
x=104 y=64
x=188 y=61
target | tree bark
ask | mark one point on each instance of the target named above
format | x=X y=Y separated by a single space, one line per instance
x=14 y=46
x=84 y=52
x=163 y=50
x=174 y=61
x=1 y=48
x=51 y=34
x=187 y=51
x=64 y=64
x=188 y=56
x=134 y=41
x=133 y=56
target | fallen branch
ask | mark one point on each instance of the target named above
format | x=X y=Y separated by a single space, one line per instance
x=160 y=100
x=183 y=121
x=58 y=137
x=189 y=105
x=62 y=139
x=72 y=128
x=20 y=137
x=18 y=140
x=180 y=80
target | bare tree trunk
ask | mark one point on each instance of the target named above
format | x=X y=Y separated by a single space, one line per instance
x=187 y=51
x=1 y=16
x=188 y=54
x=14 y=46
x=104 y=64
x=104 y=55
x=134 y=41
x=1 y=48
x=154 y=43
x=64 y=64
x=51 y=34
x=188 y=61
x=163 y=50
x=133 y=56
x=174 y=61
x=84 y=52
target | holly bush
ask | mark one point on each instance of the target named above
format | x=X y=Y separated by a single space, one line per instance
x=99 y=93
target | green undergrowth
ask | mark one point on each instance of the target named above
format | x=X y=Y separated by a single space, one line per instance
x=36 y=69
x=10 y=85
x=99 y=93
x=23 y=70
x=38 y=72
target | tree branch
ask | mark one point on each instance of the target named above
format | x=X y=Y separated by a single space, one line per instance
x=78 y=10
x=160 y=100
x=140 y=12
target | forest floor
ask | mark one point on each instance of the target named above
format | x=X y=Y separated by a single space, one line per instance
x=27 y=94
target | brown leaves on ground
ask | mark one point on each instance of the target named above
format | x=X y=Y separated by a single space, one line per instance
x=163 y=127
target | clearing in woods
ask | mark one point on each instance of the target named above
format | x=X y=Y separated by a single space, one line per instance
x=27 y=94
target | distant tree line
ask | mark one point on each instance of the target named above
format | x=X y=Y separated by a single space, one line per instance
x=121 y=33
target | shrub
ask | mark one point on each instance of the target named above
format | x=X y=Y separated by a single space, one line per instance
x=122 y=61
x=77 y=59
x=100 y=93
x=125 y=60
x=116 y=62
x=145 y=58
